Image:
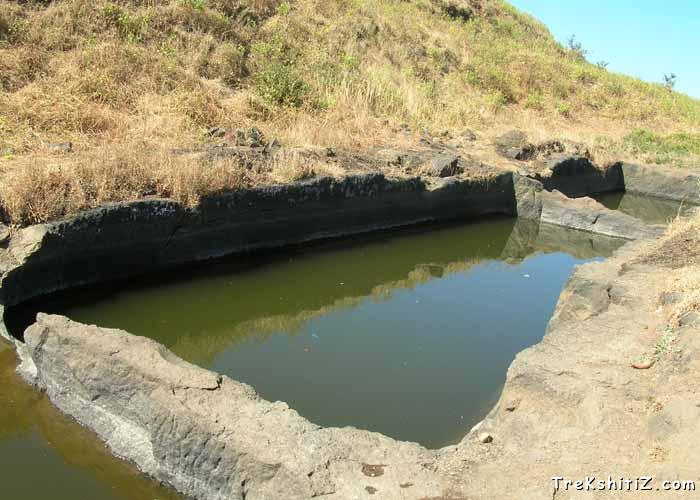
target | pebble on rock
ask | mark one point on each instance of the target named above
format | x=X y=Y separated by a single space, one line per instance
x=485 y=437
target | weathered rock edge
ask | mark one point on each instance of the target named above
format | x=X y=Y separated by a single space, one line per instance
x=125 y=239
x=660 y=182
x=213 y=438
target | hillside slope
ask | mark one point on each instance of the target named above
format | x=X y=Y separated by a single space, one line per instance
x=125 y=81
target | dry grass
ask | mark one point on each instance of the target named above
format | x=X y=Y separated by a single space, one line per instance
x=109 y=75
x=292 y=166
x=44 y=188
x=688 y=286
x=677 y=251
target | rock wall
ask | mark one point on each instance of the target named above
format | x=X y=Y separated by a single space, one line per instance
x=125 y=239
x=577 y=176
x=586 y=214
x=661 y=182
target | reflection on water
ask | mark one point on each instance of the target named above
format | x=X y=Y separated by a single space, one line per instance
x=646 y=208
x=409 y=334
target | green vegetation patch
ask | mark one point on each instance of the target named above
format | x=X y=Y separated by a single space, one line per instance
x=676 y=148
x=645 y=141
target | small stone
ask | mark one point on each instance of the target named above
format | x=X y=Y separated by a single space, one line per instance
x=371 y=490
x=61 y=147
x=485 y=437
x=372 y=470
x=216 y=132
x=512 y=405
x=405 y=159
x=643 y=364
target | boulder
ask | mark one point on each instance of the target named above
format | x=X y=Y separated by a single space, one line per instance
x=528 y=204
x=444 y=166
x=511 y=144
x=661 y=182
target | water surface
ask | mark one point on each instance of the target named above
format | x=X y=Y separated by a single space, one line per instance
x=649 y=209
x=409 y=334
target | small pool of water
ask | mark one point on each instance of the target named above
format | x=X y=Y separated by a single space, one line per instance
x=409 y=334
x=646 y=208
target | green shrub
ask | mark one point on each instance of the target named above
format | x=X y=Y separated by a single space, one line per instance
x=277 y=80
x=131 y=27
x=194 y=4
x=228 y=63
x=564 y=108
x=534 y=100
x=283 y=9
x=193 y=15
x=12 y=29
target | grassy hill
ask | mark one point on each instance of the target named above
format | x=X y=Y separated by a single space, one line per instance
x=124 y=81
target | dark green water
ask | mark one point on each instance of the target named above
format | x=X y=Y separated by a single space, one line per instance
x=648 y=209
x=409 y=334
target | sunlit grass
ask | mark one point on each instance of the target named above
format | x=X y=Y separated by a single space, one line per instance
x=341 y=73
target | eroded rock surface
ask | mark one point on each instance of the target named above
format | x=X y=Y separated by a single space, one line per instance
x=586 y=214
